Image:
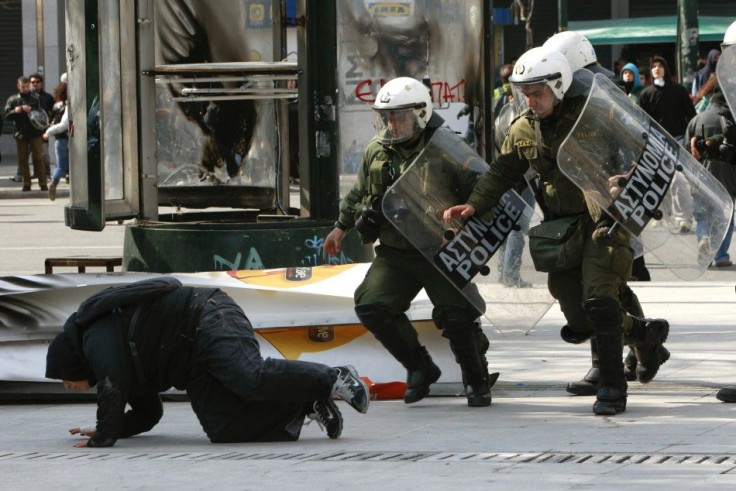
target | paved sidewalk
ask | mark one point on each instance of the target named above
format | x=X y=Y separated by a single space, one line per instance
x=674 y=434
x=12 y=190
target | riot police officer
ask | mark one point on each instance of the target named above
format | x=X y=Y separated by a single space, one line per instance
x=588 y=290
x=405 y=122
x=580 y=54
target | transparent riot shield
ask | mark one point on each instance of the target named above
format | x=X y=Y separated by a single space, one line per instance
x=462 y=249
x=631 y=167
x=726 y=72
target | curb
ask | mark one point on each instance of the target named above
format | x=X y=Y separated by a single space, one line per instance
x=34 y=193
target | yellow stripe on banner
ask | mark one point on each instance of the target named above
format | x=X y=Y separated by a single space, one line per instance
x=293 y=341
x=276 y=278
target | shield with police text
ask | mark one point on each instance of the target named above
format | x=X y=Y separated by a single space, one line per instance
x=486 y=258
x=629 y=166
x=726 y=71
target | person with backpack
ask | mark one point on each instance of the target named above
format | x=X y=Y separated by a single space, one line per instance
x=135 y=341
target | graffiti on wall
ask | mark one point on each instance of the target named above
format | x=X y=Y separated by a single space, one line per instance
x=251 y=259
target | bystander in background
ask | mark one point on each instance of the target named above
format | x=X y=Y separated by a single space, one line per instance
x=60 y=130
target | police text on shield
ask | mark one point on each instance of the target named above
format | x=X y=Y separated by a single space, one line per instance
x=475 y=243
x=649 y=182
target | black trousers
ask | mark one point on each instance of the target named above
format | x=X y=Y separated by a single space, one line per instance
x=239 y=396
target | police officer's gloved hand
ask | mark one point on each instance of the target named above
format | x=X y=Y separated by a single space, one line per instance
x=371 y=218
x=602 y=233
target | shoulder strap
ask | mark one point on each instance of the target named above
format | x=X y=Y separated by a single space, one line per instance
x=119 y=296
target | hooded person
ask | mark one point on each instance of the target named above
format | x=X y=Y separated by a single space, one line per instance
x=632 y=82
x=65 y=358
x=669 y=104
x=137 y=340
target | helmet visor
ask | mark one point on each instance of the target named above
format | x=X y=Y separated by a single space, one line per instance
x=395 y=125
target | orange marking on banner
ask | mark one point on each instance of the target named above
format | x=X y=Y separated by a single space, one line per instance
x=292 y=342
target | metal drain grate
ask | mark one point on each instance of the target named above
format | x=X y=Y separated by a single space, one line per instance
x=496 y=457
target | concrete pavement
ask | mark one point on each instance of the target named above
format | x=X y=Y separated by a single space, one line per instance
x=674 y=433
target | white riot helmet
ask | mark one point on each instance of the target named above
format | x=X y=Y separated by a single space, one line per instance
x=730 y=37
x=405 y=102
x=576 y=48
x=543 y=65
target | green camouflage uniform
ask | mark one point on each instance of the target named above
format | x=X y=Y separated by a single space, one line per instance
x=604 y=269
x=399 y=271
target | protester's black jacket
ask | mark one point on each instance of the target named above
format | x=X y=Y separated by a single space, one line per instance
x=669 y=105
x=23 y=125
x=163 y=334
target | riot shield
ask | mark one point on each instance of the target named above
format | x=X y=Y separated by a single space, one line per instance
x=726 y=72
x=461 y=249
x=627 y=164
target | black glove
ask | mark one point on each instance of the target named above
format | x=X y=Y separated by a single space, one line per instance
x=369 y=223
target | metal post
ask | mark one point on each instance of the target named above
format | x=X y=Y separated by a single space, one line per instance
x=318 y=136
x=40 y=48
x=561 y=15
x=278 y=10
x=485 y=148
x=687 y=40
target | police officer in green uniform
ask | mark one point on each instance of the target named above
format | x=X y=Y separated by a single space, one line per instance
x=405 y=122
x=588 y=290
x=581 y=54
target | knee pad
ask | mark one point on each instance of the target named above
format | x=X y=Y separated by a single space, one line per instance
x=378 y=319
x=603 y=312
x=573 y=337
x=375 y=317
x=455 y=323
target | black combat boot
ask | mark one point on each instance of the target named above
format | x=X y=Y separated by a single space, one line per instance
x=588 y=385
x=605 y=315
x=399 y=338
x=646 y=338
x=630 y=366
x=420 y=378
x=630 y=362
x=469 y=346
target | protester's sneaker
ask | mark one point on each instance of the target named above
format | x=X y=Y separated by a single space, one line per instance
x=52 y=191
x=351 y=389
x=327 y=416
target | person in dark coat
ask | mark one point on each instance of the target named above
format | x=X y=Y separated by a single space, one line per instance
x=669 y=104
x=135 y=341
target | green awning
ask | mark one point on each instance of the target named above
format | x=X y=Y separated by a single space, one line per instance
x=641 y=30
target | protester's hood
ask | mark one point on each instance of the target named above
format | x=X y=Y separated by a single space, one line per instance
x=637 y=80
